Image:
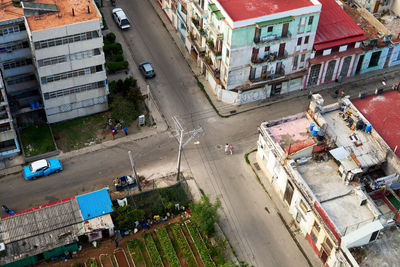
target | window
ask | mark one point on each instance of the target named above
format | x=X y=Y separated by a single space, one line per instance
x=266 y=49
x=310 y=20
x=303 y=206
x=74 y=90
x=374 y=59
x=306 y=39
x=70 y=74
x=296 y=59
x=299 y=40
x=315 y=232
x=67 y=39
x=270 y=28
x=303 y=57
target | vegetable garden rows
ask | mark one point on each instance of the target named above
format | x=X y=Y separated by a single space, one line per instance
x=177 y=245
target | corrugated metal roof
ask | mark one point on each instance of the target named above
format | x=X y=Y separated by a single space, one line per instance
x=95 y=204
x=335 y=27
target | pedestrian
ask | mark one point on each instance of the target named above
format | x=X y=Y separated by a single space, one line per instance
x=116 y=243
x=309 y=95
x=113 y=133
x=126 y=130
x=231 y=149
x=226 y=148
x=110 y=124
x=336 y=93
x=342 y=93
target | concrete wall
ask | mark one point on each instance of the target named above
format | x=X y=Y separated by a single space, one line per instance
x=75 y=113
x=367 y=58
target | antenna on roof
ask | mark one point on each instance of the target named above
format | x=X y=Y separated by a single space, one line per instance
x=73 y=12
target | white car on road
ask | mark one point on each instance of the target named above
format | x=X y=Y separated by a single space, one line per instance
x=120 y=18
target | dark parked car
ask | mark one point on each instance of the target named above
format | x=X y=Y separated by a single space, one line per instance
x=147 y=70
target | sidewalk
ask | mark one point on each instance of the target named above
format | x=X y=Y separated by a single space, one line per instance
x=352 y=86
x=284 y=214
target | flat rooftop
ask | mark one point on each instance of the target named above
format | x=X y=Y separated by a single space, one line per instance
x=292 y=135
x=52 y=20
x=365 y=148
x=335 y=27
x=9 y=11
x=324 y=180
x=248 y=9
x=382 y=111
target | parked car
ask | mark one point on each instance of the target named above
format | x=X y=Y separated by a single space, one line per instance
x=120 y=18
x=147 y=70
x=42 y=168
x=123 y=182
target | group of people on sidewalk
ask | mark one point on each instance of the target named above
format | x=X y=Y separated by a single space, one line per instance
x=228 y=149
x=118 y=125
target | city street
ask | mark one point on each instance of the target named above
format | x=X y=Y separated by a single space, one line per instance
x=258 y=236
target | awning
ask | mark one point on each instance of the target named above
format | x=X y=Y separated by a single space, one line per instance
x=274 y=21
x=219 y=15
x=213 y=7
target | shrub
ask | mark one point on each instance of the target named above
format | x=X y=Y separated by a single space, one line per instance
x=167 y=247
x=126 y=217
x=112 y=49
x=109 y=38
x=153 y=252
x=113 y=67
x=204 y=213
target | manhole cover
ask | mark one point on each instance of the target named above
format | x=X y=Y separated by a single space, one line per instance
x=257 y=166
x=219 y=146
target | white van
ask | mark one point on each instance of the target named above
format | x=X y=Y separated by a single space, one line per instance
x=120 y=18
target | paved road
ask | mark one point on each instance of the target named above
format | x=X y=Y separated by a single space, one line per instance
x=258 y=236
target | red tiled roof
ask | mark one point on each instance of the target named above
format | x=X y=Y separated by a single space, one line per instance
x=248 y=9
x=319 y=59
x=335 y=27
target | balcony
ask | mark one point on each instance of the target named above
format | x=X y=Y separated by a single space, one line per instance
x=268 y=76
x=267 y=40
x=215 y=71
x=196 y=42
x=270 y=57
x=198 y=8
x=197 y=26
x=217 y=54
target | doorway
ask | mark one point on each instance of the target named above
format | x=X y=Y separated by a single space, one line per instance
x=359 y=64
x=285 y=30
x=345 y=67
x=288 y=193
x=330 y=70
x=388 y=56
x=281 y=49
x=314 y=74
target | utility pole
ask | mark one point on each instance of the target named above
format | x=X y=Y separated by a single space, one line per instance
x=149 y=105
x=182 y=144
x=134 y=170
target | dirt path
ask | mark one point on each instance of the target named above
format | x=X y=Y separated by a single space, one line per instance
x=105 y=260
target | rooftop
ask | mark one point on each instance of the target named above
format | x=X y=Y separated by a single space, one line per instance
x=292 y=135
x=40 y=229
x=9 y=11
x=94 y=204
x=247 y=9
x=328 y=186
x=388 y=126
x=65 y=17
x=335 y=27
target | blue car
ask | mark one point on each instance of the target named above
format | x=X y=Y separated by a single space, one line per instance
x=42 y=168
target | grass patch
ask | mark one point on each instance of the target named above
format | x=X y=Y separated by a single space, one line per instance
x=37 y=140
x=73 y=134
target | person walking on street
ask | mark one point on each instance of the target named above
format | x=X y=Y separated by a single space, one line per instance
x=126 y=130
x=342 y=93
x=113 y=134
x=231 y=149
x=226 y=148
x=110 y=124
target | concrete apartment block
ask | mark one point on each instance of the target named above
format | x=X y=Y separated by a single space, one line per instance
x=62 y=48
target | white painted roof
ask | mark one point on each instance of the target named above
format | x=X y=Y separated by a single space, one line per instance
x=38 y=164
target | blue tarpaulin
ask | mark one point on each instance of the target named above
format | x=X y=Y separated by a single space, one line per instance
x=95 y=204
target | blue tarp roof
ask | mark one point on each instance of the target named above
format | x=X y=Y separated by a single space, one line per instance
x=95 y=204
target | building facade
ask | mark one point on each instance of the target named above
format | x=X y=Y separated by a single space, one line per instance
x=9 y=146
x=336 y=46
x=61 y=55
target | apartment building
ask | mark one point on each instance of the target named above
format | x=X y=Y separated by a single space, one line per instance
x=331 y=170
x=336 y=46
x=9 y=146
x=65 y=42
x=16 y=62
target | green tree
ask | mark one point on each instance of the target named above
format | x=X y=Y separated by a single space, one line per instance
x=204 y=213
x=126 y=217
